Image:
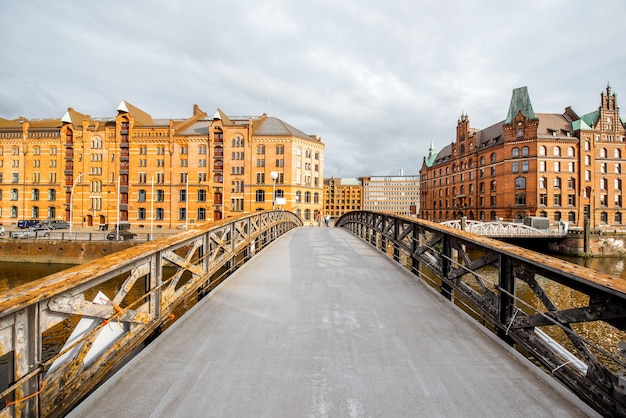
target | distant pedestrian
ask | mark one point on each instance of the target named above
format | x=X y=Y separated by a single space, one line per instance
x=327 y=220
x=319 y=219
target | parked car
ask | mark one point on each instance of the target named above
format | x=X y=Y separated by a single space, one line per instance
x=27 y=223
x=31 y=233
x=55 y=224
x=2 y=231
x=121 y=235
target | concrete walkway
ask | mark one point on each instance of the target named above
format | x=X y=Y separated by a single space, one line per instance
x=320 y=324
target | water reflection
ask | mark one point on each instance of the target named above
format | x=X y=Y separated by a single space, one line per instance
x=13 y=275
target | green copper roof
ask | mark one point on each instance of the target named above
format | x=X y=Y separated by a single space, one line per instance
x=520 y=101
x=431 y=156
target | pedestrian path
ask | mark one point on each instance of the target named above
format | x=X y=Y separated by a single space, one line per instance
x=321 y=324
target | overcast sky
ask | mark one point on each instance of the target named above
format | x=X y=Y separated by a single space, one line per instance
x=377 y=80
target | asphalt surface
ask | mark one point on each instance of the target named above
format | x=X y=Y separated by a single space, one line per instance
x=320 y=324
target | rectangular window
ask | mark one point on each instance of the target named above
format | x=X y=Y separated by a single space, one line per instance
x=571 y=200
x=260 y=178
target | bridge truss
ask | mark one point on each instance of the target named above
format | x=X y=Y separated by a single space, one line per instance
x=63 y=334
x=569 y=318
x=504 y=229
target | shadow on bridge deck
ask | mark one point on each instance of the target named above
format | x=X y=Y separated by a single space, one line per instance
x=321 y=324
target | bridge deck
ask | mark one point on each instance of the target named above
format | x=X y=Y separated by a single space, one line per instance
x=321 y=324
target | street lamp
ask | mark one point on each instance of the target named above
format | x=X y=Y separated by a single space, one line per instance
x=274 y=176
x=72 y=200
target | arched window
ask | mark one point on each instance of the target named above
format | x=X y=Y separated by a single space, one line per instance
x=201 y=216
x=141 y=196
x=571 y=217
x=482 y=160
x=515 y=152
x=260 y=195
x=617 y=153
x=316 y=197
x=34 y=212
x=571 y=152
x=604 y=217
x=141 y=214
x=525 y=151
x=14 y=194
x=493 y=157
x=542 y=151
x=159 y=214
x=35 y=194
x=307 y=197
x=52 y=195
x=602 y=152
x=13 y=211
x=52 y=212
x=556 y=151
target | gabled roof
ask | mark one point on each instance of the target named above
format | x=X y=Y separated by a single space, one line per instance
x=219 y=115
x=491 y=135
x=74 y=117
x=141 y=117
x=270 y=126
x=13 y=123
x=553 y=124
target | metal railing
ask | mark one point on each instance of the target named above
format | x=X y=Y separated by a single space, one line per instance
x=62 y=335
x=569 y=319
x=500 y=229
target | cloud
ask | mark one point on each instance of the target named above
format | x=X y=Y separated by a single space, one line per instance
x=377 y=81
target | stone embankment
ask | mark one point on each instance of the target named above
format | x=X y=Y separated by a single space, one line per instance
x=58 y=251
x=600 y=244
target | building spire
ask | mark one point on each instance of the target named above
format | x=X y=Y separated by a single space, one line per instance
x=520 y=102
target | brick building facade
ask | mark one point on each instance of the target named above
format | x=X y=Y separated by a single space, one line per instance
x=172 y=172
x=563 y=166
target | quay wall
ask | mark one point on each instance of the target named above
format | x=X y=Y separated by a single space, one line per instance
x=58 y=251
x=600 y=245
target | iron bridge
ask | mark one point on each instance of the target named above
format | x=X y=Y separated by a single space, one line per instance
x=569 y=319
x=62 y=335
x=500 y=229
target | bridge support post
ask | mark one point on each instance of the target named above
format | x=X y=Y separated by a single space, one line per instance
x=446 y=258
x=415 y=236
x=28 y=356
x=507 y=301
x=396 y=247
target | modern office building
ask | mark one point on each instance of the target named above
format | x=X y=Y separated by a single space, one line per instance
x=562 y=166
x=395 y=194
x=170 y=173
x=342 y=195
